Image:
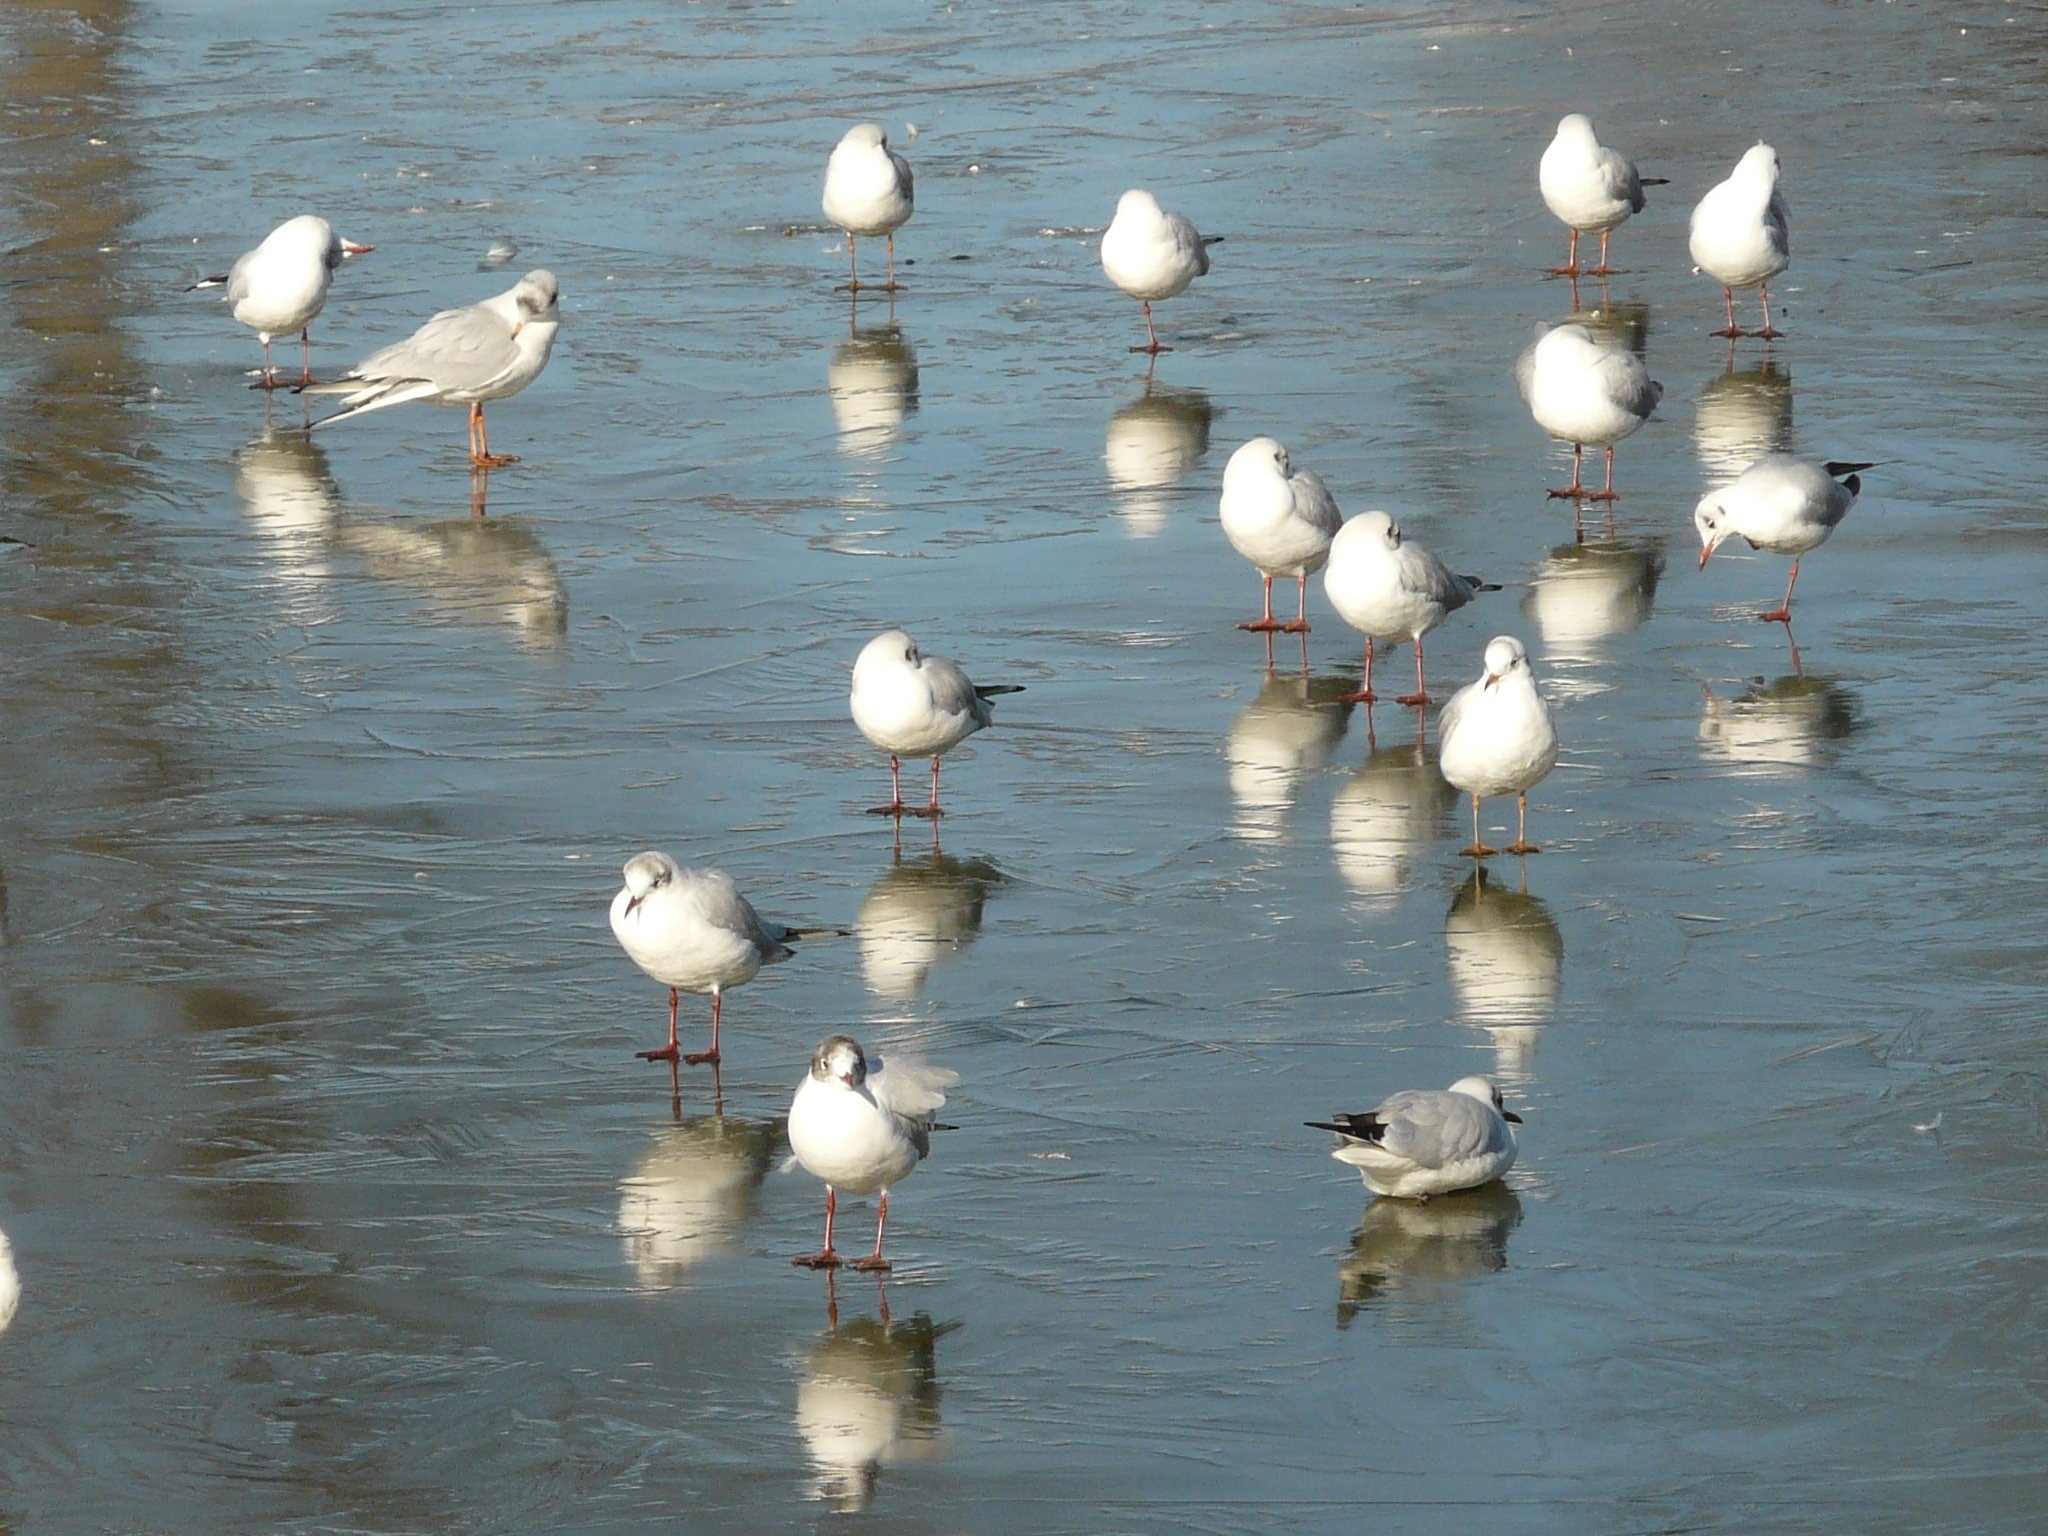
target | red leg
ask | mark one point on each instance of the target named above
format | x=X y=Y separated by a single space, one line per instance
x=824 y=1258
x=1420 y=696
x=1151 y=336
x=269 y=379
x=1364 y=695
x=1770 y=332
x=932 y=809
x=1603 y=270
x=1733 y=330
x=1267 y=624
x=1606 y=492
x=710 y=1057
x=1300 y=624
x=1571 y=260
x=1782 y=614
x=875 y=1262
x=672 y=1050
x=1575 y=489
x=482 y=455
x=1478 y=850
x=1521 y=844
x=895 y=807
x=890 y=286
x=852 y=265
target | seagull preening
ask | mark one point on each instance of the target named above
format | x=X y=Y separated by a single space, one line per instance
x=1429 y=1141
x=868 y=191
x=1741 y=237
x=1591 y=188
x=1390 y=590
x=912 y=705
x=281 y=286
x=1786 y=505
x=1280 y=518
x=1152 y=254
x=862 y=1127
x=1585 y=394
x=692 y=931
x=466 y=356
x=1496 y=738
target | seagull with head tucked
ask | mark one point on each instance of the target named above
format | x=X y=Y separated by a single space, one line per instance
x=1390 y=588
x=1281 y=519
x=910 y=705
x=1591 y=188
x=1742 y=236
x=1152 y=254
x=868 y=191
x=1429 y=1141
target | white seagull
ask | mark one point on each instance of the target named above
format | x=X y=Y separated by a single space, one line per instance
x=1391 y=590
x=10 y=1284
x=1281 y=519
x=910 y=705
x=281 y=286
x=1741 y=236
x=1591 y=188
x=692 y=931
x=1585 y=394
x=1429 y=1141
x=868 y=191
x=1497 y=739
x=1786 y=505
x=465 y=356
x=1152 y=254
x=862 y=1127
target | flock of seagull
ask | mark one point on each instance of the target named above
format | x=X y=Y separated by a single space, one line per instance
x=861 y=1124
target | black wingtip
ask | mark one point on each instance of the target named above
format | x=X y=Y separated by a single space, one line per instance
x=208 y=282
x=997 y=690
x=816 y=933
x=1837 y=468
x=1479 y=584
x=1654 y=181
x=1209 y=240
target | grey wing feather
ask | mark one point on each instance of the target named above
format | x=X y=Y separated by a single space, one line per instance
x=1525 y=367
x=1452 y=713
x=723 y=904
x=1618 y=175
x=456 y=349
x=1779 y=219
x=238 y=278
x=1629 y=382
x=911 y=1090
x=1314 y=503
x=1188 y=240
x=904 y=179
x=1433 y=1128
x=1429 y=577
x=952 y=693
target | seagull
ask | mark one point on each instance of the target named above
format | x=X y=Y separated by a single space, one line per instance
x=1741 y=237
x=1497 y=739
x=692 y=931
x=1786 y=505
x=281 y=286
x=1583 y=393
x=1392 y=590
x=1429 y=1141
x=911 y=704
x=868 y=191
x=1281 y=519
x=862 y=1127
x=1592 y=188
x=1152 y=254
x=10 y=1284
x=466 y=356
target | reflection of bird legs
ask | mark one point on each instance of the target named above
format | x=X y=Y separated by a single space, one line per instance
x=1782 y=614
x=672 y=1052
x=1521 y=844
x=479 y=489
x=1363 y=693
x=1797 y=669
x=480 y=453
x=1478 y=849
x=1152 y=341
x=1268 y=624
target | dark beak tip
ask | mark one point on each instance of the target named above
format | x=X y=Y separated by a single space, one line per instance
x=1703 y=558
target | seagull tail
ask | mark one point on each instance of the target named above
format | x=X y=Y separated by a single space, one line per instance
x=1357 y=1127
x=996 y=690
x=793 y=935
x=1481 y=584
x=1654 y=181
x=208 y=282
x=1209 y=240
x=371 y=398
x=1837 y=468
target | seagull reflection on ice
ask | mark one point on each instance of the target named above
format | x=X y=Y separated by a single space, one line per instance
x=919 y=915
x=1385 y=813
x=1277 y=740
x=1402 y=1248
x=469 y=570
x=10 y=1284
x=691 y=1194
x=1506 y=961
x=1795 y=722
x=289 y=495
x=869 y=1398
x=1741 y=417
x=872 y=382
x=1617 y=325
x=1153 y=441
x=1585 y=592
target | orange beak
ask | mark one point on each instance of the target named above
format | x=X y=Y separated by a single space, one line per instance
x=350 y=248
x=1704 y=553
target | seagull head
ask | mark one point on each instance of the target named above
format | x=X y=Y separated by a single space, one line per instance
x=839 y=1058
x=533 y=296
x=1482 y=1089
x=1261 y=456
x=865 y=136
x=887 y=652
x=1711 y=518
x=647 y=873
x=1382 y=526
x=1505 y=655
x=1139 y=204
x=1759 y=163
x=1575 y=126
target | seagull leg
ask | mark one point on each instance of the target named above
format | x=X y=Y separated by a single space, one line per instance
x=1420 y=696
x=1521 y=844
x=1603 y=270
x=1478 y=850
x=672 y=1050
x=709 y=1058
x=891 y=285
x=481 y=454
x=1152 y=343
x=852 y=265
x=269 y=379
x=1733 y=330
x=1770 y=332
x=895 y=807
x=824 y=1258
x=1571 y=260
x=1575 y=489
x=1606 y=492
x=874 y=1263
x=305 y=355
x=931 y=810
x=1300 y=624
x=1782 y=614
x=1268 y=624
x=1364 y=695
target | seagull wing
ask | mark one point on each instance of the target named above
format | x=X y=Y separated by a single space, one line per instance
x=1313 y=503
x=1187 y=240
x=952 y=693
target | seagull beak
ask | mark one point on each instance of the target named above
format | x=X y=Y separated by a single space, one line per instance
x=634 y=901
x=1492 y=678
x=1705 y=551
x=350 y=248
x=516 y=329
x=1511 y=1117
x=846 y=1078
